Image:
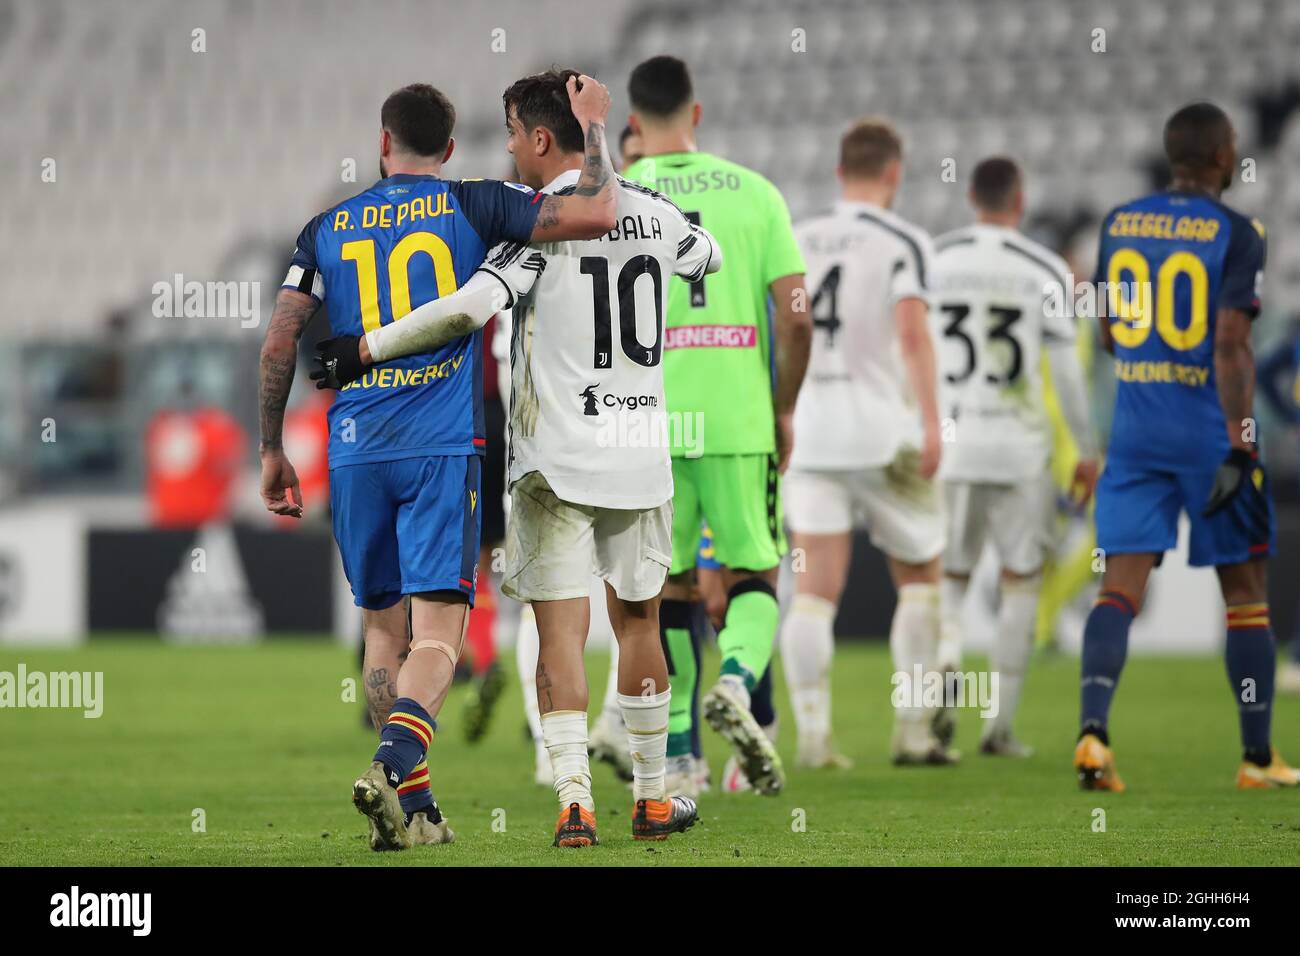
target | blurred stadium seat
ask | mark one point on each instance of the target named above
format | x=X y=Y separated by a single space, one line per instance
x=171 y=161
x=164 y=138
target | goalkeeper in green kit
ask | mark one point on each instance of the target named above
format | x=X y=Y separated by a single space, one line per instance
x=732 y=371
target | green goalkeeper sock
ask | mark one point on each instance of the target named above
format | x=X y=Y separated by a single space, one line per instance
x=749 y=630
x=675 y=634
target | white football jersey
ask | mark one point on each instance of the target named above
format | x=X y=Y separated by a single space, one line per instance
x=587 y=388
x=998 y=298
x=856 y=407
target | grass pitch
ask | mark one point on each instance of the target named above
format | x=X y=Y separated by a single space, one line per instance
x=261 y=742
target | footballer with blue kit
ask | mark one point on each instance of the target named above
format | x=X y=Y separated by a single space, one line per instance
x=1181 y=274
x=406 y=441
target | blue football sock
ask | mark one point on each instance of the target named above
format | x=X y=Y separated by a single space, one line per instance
x=760 y=700
x=1251 y=661
x=415 y=792
x=1105 y=646
x=404 y=741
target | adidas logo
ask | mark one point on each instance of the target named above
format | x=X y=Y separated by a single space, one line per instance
x=208 y=597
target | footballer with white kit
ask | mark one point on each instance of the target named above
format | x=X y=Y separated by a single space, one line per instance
x=1002 y=301
x=608 y=736
x=589 y=472
x=869 y=442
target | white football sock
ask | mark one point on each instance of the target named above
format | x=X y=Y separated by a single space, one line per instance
x=913 y=641
x=527 y=646
x=952 y=597
x=565 y=733
x=807 y=647
x=1013 y=646
x=646 y=719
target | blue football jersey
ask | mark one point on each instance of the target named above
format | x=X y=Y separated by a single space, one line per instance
x=373 y=258
x=1169 y=262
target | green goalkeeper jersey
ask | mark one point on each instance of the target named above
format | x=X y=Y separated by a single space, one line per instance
x=718 y=366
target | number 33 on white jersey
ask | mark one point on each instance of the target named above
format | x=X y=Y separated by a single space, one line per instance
x=999 y=297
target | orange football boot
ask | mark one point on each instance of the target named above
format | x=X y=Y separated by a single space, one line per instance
x=1095 y=765
x=1251 y=776
x=576 y=827
x=658 y=819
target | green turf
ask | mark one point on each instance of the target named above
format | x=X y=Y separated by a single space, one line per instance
x=261 y=740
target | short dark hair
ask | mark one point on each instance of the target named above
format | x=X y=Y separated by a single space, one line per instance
x=994 y=183
x=420 y=118
x=543 y=100
x=624 y=136
x=1195 y=133
x=868 y=147
x=660 y=86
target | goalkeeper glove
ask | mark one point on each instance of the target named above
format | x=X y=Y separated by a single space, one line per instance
x=1234 y=470
x=339 y=362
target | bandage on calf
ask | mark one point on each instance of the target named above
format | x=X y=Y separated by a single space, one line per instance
x=453 y=654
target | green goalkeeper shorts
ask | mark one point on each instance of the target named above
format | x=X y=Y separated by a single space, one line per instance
x=740 y=498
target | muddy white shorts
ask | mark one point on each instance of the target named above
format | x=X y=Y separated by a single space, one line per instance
x=901 y=511
x=554 y=546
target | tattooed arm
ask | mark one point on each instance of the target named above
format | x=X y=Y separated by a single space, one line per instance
x=293 y=310
x=591 y=210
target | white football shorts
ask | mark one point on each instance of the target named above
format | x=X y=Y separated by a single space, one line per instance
x=554 y=546
x=1017 y=518
x=901 y=511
